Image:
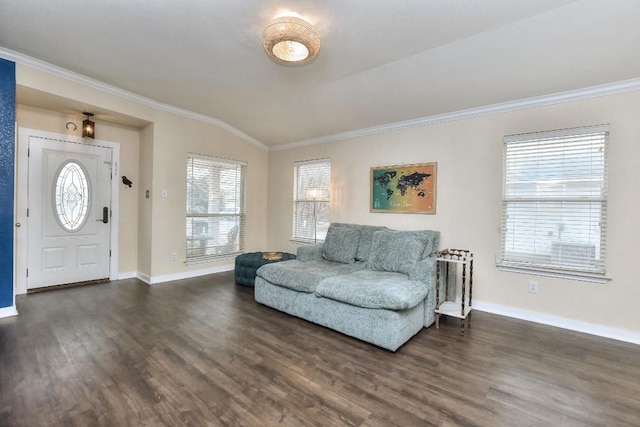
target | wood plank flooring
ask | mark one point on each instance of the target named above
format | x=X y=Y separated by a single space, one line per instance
x=201 y=352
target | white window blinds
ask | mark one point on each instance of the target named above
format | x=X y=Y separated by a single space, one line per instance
x=555 y=200
x=311 y=197
x=215 y=207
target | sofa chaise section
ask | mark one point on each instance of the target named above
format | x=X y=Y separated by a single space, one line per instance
x=388 y=329
x=368 y=282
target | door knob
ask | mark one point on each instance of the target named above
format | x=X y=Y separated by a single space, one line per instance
x=18 y=224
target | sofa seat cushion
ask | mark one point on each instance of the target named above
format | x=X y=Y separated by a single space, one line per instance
x=304 y=276
x=374 y=289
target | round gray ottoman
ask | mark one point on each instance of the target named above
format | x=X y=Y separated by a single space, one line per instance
x=247 y=265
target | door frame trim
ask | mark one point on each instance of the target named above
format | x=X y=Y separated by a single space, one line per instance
x=21 y=200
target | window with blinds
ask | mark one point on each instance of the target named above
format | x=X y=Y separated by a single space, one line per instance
x=215 y=207
x=555 y=200
x=311 y=196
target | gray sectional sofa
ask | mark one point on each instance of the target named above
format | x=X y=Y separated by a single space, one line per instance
x=372 y=283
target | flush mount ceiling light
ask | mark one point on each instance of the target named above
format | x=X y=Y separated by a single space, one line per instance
x=291 y=40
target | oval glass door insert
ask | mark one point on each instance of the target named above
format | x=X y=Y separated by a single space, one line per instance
x=71 y=196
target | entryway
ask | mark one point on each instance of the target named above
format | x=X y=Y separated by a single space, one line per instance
x=67 y=196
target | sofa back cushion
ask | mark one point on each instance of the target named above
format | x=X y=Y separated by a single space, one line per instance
x=366 y=237
x=366 y=240
x=341 y=244
x=399 y=251
x=434 y=246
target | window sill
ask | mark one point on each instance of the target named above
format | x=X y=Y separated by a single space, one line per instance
x=561 y=274
x=300 y=242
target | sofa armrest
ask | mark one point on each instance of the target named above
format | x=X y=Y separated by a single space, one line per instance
x=310 y=252
x=425 y=271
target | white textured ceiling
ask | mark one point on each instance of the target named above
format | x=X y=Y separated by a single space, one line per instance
x=381 y=61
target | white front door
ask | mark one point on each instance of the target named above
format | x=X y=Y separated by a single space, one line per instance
x=69 y=216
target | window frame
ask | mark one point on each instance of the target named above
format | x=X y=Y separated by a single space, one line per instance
x=553 y=202
x=236 y=233
x=320 y=202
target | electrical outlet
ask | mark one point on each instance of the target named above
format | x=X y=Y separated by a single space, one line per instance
x=533 y=287
x=164 y=194
x=174 y=256
x=498 y=258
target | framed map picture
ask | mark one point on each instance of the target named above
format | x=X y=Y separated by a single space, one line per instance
x=404 y=188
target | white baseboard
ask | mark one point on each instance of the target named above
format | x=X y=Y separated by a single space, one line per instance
x=146 y=279
x=187 y=274
x=8 y=311
x=128 y=275
x=151 y=280
x=560 y=322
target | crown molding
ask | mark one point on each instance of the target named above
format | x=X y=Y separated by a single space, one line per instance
x=37 y=64
x=539 y=101
x=534 y=102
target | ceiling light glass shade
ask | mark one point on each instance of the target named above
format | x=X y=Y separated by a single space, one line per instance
x=291 y=40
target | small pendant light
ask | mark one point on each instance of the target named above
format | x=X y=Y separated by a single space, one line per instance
x=88 y=127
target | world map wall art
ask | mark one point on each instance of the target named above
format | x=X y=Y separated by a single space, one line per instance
x=404 y=188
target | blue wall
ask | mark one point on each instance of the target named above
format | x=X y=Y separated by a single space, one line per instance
x=7 y=159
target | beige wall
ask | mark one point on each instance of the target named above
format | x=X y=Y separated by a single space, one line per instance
x=469 y=156
x=128 y=138
x=162 y=147
x=174 y=138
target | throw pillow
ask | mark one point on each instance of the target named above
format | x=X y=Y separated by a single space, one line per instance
x=340 y=245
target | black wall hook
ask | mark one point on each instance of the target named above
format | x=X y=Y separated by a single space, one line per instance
x=126 y=181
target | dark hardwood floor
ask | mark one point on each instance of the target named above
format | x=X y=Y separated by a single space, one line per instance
x=202 y=352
